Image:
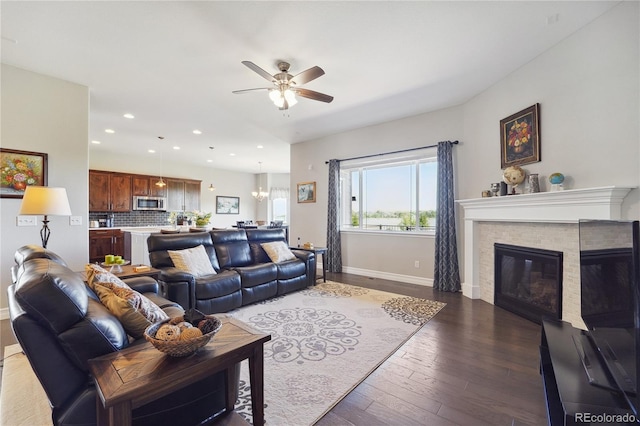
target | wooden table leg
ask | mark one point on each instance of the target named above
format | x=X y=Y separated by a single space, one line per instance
x=324 y=267
x=256 y=378
x=118 y=415
x=229 y=374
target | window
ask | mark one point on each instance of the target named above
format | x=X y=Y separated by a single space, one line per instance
x=279 y=209
x=279 y=198
x=392 y=195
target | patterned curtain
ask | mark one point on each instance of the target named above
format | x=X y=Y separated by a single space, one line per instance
x=446 y=274
x=334 y=253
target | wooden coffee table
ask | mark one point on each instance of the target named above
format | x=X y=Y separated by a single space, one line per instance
x=123 y=384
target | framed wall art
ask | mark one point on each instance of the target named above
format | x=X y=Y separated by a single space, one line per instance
x=520 y=138
x=227 y=205
x=307 y=192
x=20 y=169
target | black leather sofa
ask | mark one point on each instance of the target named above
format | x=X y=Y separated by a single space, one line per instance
x=244 y=272
x=61 y=324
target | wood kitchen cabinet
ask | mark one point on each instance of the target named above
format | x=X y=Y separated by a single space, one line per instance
x=109 y=192
x=103 y=242
x=146 y=186
x=183 y=195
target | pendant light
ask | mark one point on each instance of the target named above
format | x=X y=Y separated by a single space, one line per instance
x=161 y=183
x=260 y=194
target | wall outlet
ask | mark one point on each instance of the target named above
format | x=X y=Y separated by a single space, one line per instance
x=26 y=221
x=416 y=264
x=75 y=220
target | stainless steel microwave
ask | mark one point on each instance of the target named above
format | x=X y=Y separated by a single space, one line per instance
x=150 y=203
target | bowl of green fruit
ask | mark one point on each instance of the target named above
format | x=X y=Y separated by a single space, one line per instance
x=114 y=262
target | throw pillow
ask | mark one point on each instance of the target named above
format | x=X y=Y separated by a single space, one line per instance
x=278 y=251
x=193 y=260
x=134 y=310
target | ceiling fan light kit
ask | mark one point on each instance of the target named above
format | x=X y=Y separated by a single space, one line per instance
x=283 y=95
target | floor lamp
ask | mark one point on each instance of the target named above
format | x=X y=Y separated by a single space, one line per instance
x=43 y=200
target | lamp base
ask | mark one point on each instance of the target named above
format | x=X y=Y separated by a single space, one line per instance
x=45 y=232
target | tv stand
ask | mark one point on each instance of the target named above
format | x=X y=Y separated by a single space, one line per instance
x=566 y=385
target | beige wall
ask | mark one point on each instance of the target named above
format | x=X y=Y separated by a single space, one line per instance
x=44 y=114
x=588 y=90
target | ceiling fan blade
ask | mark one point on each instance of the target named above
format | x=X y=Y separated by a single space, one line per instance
x=310 y=94
x=260 y=71
x=308 y=75
x=237 y=92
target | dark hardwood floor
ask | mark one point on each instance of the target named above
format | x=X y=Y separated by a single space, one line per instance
x=472 y=364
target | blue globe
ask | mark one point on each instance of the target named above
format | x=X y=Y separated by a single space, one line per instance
x=556 y=178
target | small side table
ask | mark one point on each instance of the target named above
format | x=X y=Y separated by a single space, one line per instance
x=128 y=272
x=319 y=251
x=140 y=373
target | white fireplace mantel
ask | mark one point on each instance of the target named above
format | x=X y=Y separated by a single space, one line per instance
x=568 y=206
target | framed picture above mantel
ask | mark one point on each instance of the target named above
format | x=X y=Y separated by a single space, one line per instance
x=520 y=138
x=20 y=169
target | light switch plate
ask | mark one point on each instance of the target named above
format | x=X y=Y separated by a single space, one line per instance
x=75 y=220
x=26 y=221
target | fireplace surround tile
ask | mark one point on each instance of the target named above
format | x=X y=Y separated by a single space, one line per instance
x=546 y=220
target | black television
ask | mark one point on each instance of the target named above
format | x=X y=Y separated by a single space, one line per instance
x=610 y=305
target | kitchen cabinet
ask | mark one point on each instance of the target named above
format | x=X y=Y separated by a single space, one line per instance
x=146 y=186
x=109 y=192
x=103 y=242
x=183 y=195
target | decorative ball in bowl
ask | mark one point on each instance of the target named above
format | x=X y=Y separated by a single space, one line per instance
x=179 y=337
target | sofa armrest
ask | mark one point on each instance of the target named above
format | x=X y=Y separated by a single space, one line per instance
x=143 y=284
x=303 y=255
x=178 y=286
x=172 y=274
x=309 y=259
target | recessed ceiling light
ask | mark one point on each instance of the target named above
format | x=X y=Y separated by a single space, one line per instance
x=130 y=116
x=197 y=132
x=95 y=142
x=260 y=146
x=209 y=161
x=109 y=131
x=151 y=151
x=232 y=154
x=176 y=148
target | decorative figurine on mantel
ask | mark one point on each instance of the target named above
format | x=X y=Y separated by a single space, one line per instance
x=556 y=180
x=514 y=176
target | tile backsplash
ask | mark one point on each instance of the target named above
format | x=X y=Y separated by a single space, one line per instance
x=135 y=218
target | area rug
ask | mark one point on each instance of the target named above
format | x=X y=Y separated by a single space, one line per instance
x=325 y=340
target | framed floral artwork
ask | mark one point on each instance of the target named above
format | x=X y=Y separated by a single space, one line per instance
x=307 y=192
x=19 y=169
x=227 y=205
x=520 y=138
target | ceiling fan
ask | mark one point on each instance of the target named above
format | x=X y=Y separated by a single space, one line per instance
x=286 y=86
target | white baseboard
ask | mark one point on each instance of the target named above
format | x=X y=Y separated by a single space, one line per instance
x=389 y=276
x=4 y=313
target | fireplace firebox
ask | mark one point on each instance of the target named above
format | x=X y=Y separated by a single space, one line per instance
x=528 y=281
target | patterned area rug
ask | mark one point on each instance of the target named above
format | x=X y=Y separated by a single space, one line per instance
x=324 y=341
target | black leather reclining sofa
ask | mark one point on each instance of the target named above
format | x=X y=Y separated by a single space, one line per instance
x=244 y=272
x=61 y=324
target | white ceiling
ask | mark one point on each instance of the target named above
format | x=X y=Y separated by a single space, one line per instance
x=174 y=65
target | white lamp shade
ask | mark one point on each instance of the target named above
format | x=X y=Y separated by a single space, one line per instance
x=43 y=200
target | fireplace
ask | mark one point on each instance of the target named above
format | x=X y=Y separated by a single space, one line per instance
x=528 y=281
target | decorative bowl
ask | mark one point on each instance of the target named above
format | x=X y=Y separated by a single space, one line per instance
x=180 y=348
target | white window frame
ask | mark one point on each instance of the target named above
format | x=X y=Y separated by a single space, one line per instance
x=382 y=161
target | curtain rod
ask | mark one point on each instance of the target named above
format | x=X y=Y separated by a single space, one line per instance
x=392 y=152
